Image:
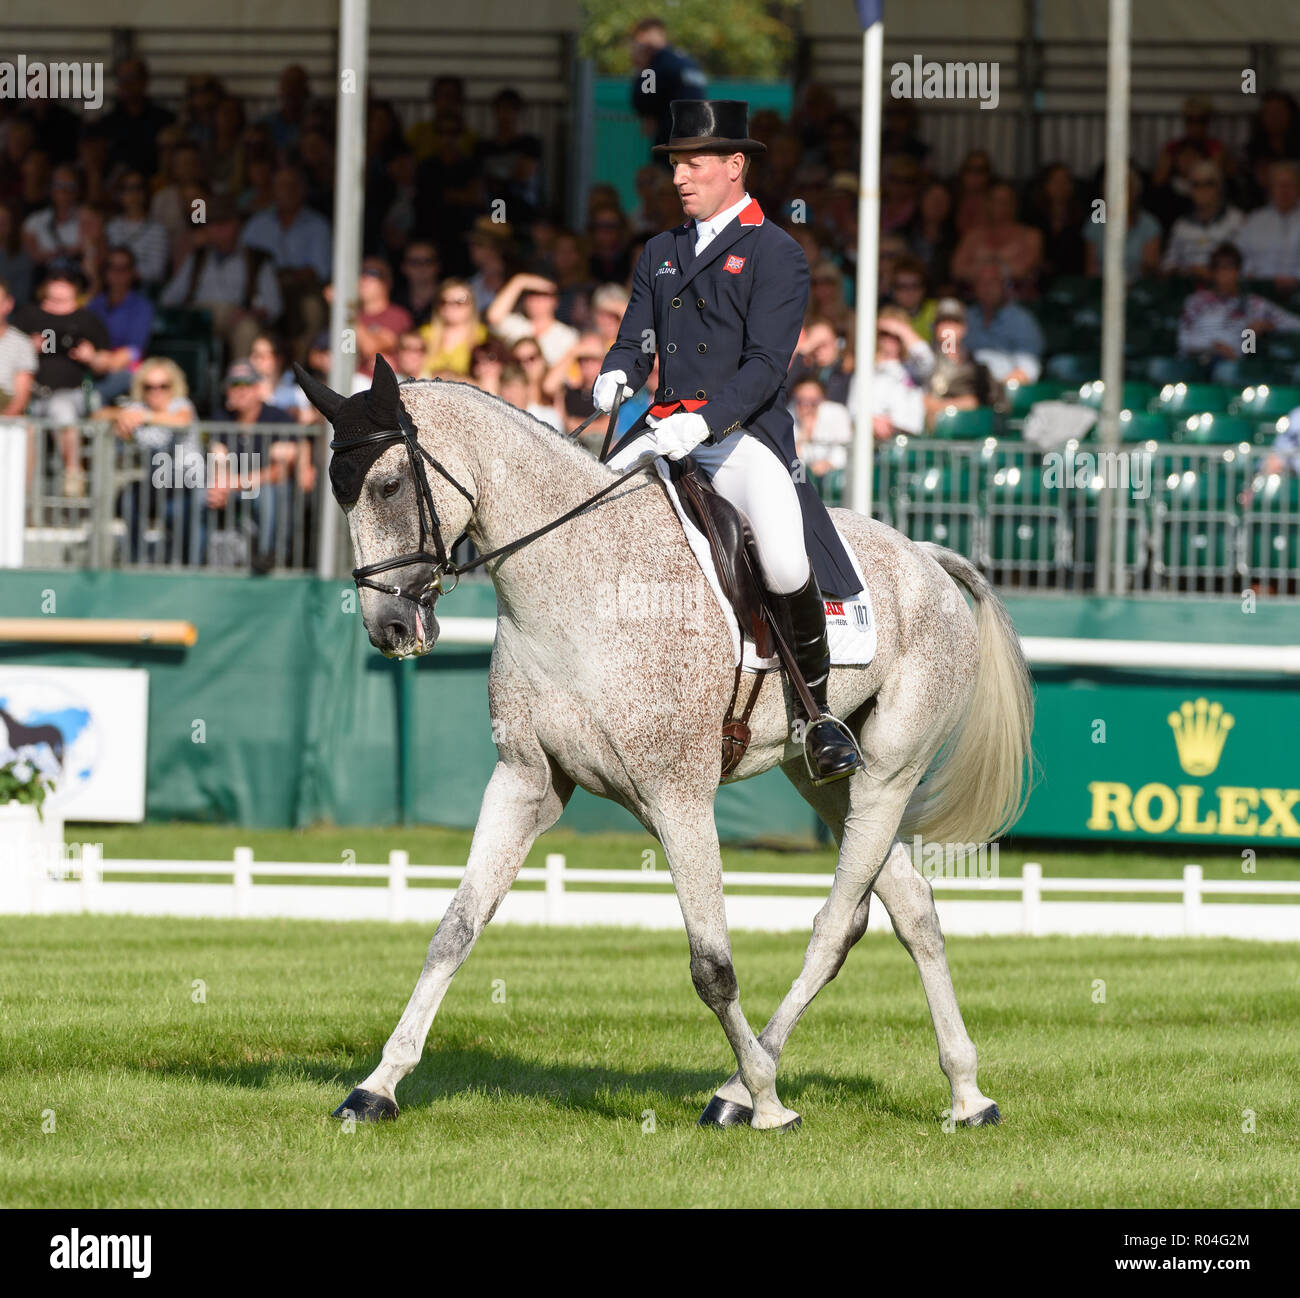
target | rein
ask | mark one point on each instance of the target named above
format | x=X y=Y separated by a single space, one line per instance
x=427 y=513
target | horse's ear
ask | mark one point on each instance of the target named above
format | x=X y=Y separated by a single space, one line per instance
x=321 y=395
x=384 y=395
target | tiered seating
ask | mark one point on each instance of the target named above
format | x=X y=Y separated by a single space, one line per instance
x=1204 y=515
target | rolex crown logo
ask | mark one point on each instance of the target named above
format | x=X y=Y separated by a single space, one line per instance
x=1200 y=731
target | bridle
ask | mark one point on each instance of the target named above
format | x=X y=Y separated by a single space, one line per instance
x=427 y=512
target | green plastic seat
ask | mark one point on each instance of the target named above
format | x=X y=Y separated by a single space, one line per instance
x=1023 y=396
x=1267 y=401
x=1133 y=396
x=960 y=425
x=1143 y=426
x=1213 y=430
x=1193 y=399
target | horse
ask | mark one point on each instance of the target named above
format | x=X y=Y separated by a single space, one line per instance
x=630 y=708
x=22 y=736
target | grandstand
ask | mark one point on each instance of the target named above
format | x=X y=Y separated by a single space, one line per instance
x=1215 y=507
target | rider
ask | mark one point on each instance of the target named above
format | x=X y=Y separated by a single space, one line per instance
x=721 y=299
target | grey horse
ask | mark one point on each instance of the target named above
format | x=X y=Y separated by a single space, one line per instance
x=630 y=708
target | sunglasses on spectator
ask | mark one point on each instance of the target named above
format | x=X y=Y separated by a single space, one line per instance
x=158 y=387
x=461 y=299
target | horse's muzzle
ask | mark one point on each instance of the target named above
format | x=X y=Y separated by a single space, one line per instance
x=401 y=628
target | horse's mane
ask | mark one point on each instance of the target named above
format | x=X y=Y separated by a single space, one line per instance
x=562 y=445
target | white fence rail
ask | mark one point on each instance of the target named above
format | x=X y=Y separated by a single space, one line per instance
x=643 y=899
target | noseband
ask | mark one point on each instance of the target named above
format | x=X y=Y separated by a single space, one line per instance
x=427 y=512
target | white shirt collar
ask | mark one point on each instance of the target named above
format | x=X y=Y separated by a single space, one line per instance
x=716 y=224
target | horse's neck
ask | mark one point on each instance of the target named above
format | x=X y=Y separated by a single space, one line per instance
x=527 y=477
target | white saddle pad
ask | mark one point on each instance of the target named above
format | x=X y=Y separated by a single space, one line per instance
x=850 y=623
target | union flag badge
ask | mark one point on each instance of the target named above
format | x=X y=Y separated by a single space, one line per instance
x=734 y=264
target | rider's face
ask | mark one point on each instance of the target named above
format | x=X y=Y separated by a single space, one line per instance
x=706 y=182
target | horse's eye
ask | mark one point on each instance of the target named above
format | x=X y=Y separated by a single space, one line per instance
x=390 y=487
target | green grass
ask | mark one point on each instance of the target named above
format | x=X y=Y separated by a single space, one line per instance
x=158 y=1101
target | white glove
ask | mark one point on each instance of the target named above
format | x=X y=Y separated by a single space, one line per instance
x=604 y=388
x=639 y=450
x=679 y=434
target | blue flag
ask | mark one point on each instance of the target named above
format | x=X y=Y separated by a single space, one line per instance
x=870 y=11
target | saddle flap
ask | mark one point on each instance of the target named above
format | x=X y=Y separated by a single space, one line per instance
x=732 y=545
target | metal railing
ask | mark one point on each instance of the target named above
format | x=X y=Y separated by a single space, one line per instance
x=210 y=496
x=1198 y=519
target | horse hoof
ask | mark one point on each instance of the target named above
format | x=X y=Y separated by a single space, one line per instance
x=989 y=1117
x=794 y=1124
x=366 y=1106
x=725 y=1113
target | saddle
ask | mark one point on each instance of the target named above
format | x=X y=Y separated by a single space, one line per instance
x=731 y=543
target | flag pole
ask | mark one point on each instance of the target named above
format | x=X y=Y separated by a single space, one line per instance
x=871 y=13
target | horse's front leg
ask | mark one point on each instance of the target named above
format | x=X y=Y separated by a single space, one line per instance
x=522 y=800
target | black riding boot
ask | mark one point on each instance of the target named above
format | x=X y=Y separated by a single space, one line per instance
x=829 y=748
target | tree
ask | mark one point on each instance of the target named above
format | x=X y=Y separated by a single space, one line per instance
x=729 y=38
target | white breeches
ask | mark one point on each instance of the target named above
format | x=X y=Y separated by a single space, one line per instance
x=745 y=472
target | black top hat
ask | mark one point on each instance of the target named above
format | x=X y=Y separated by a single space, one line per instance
x=709 y=126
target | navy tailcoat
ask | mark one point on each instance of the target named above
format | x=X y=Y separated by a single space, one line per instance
x=725 y=325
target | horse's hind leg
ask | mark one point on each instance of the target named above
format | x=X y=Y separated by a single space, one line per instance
x=909 y=899
x=690 y=841
x=522 y=799
x=864 y=818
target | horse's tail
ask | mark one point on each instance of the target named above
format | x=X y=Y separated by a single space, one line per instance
x=980 y=780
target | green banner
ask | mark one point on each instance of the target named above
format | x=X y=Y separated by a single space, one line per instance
x=282 y=714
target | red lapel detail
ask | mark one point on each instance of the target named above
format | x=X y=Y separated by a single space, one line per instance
x=752 y=215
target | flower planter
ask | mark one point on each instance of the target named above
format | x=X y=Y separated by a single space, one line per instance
x=31 y=850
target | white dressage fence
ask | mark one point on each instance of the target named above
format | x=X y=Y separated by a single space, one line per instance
x=636 y=898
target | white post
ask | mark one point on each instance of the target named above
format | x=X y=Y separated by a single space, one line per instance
x=1031 y=897
x=1113 y=283
x=91 y=876
x=864 y=351
x=243 y=880
x=349 y=190
x=554 y=888
x=398 y=860
x=13 y=491
x=1193 y=876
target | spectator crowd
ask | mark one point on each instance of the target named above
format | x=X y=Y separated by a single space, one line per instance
x=120 y=230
